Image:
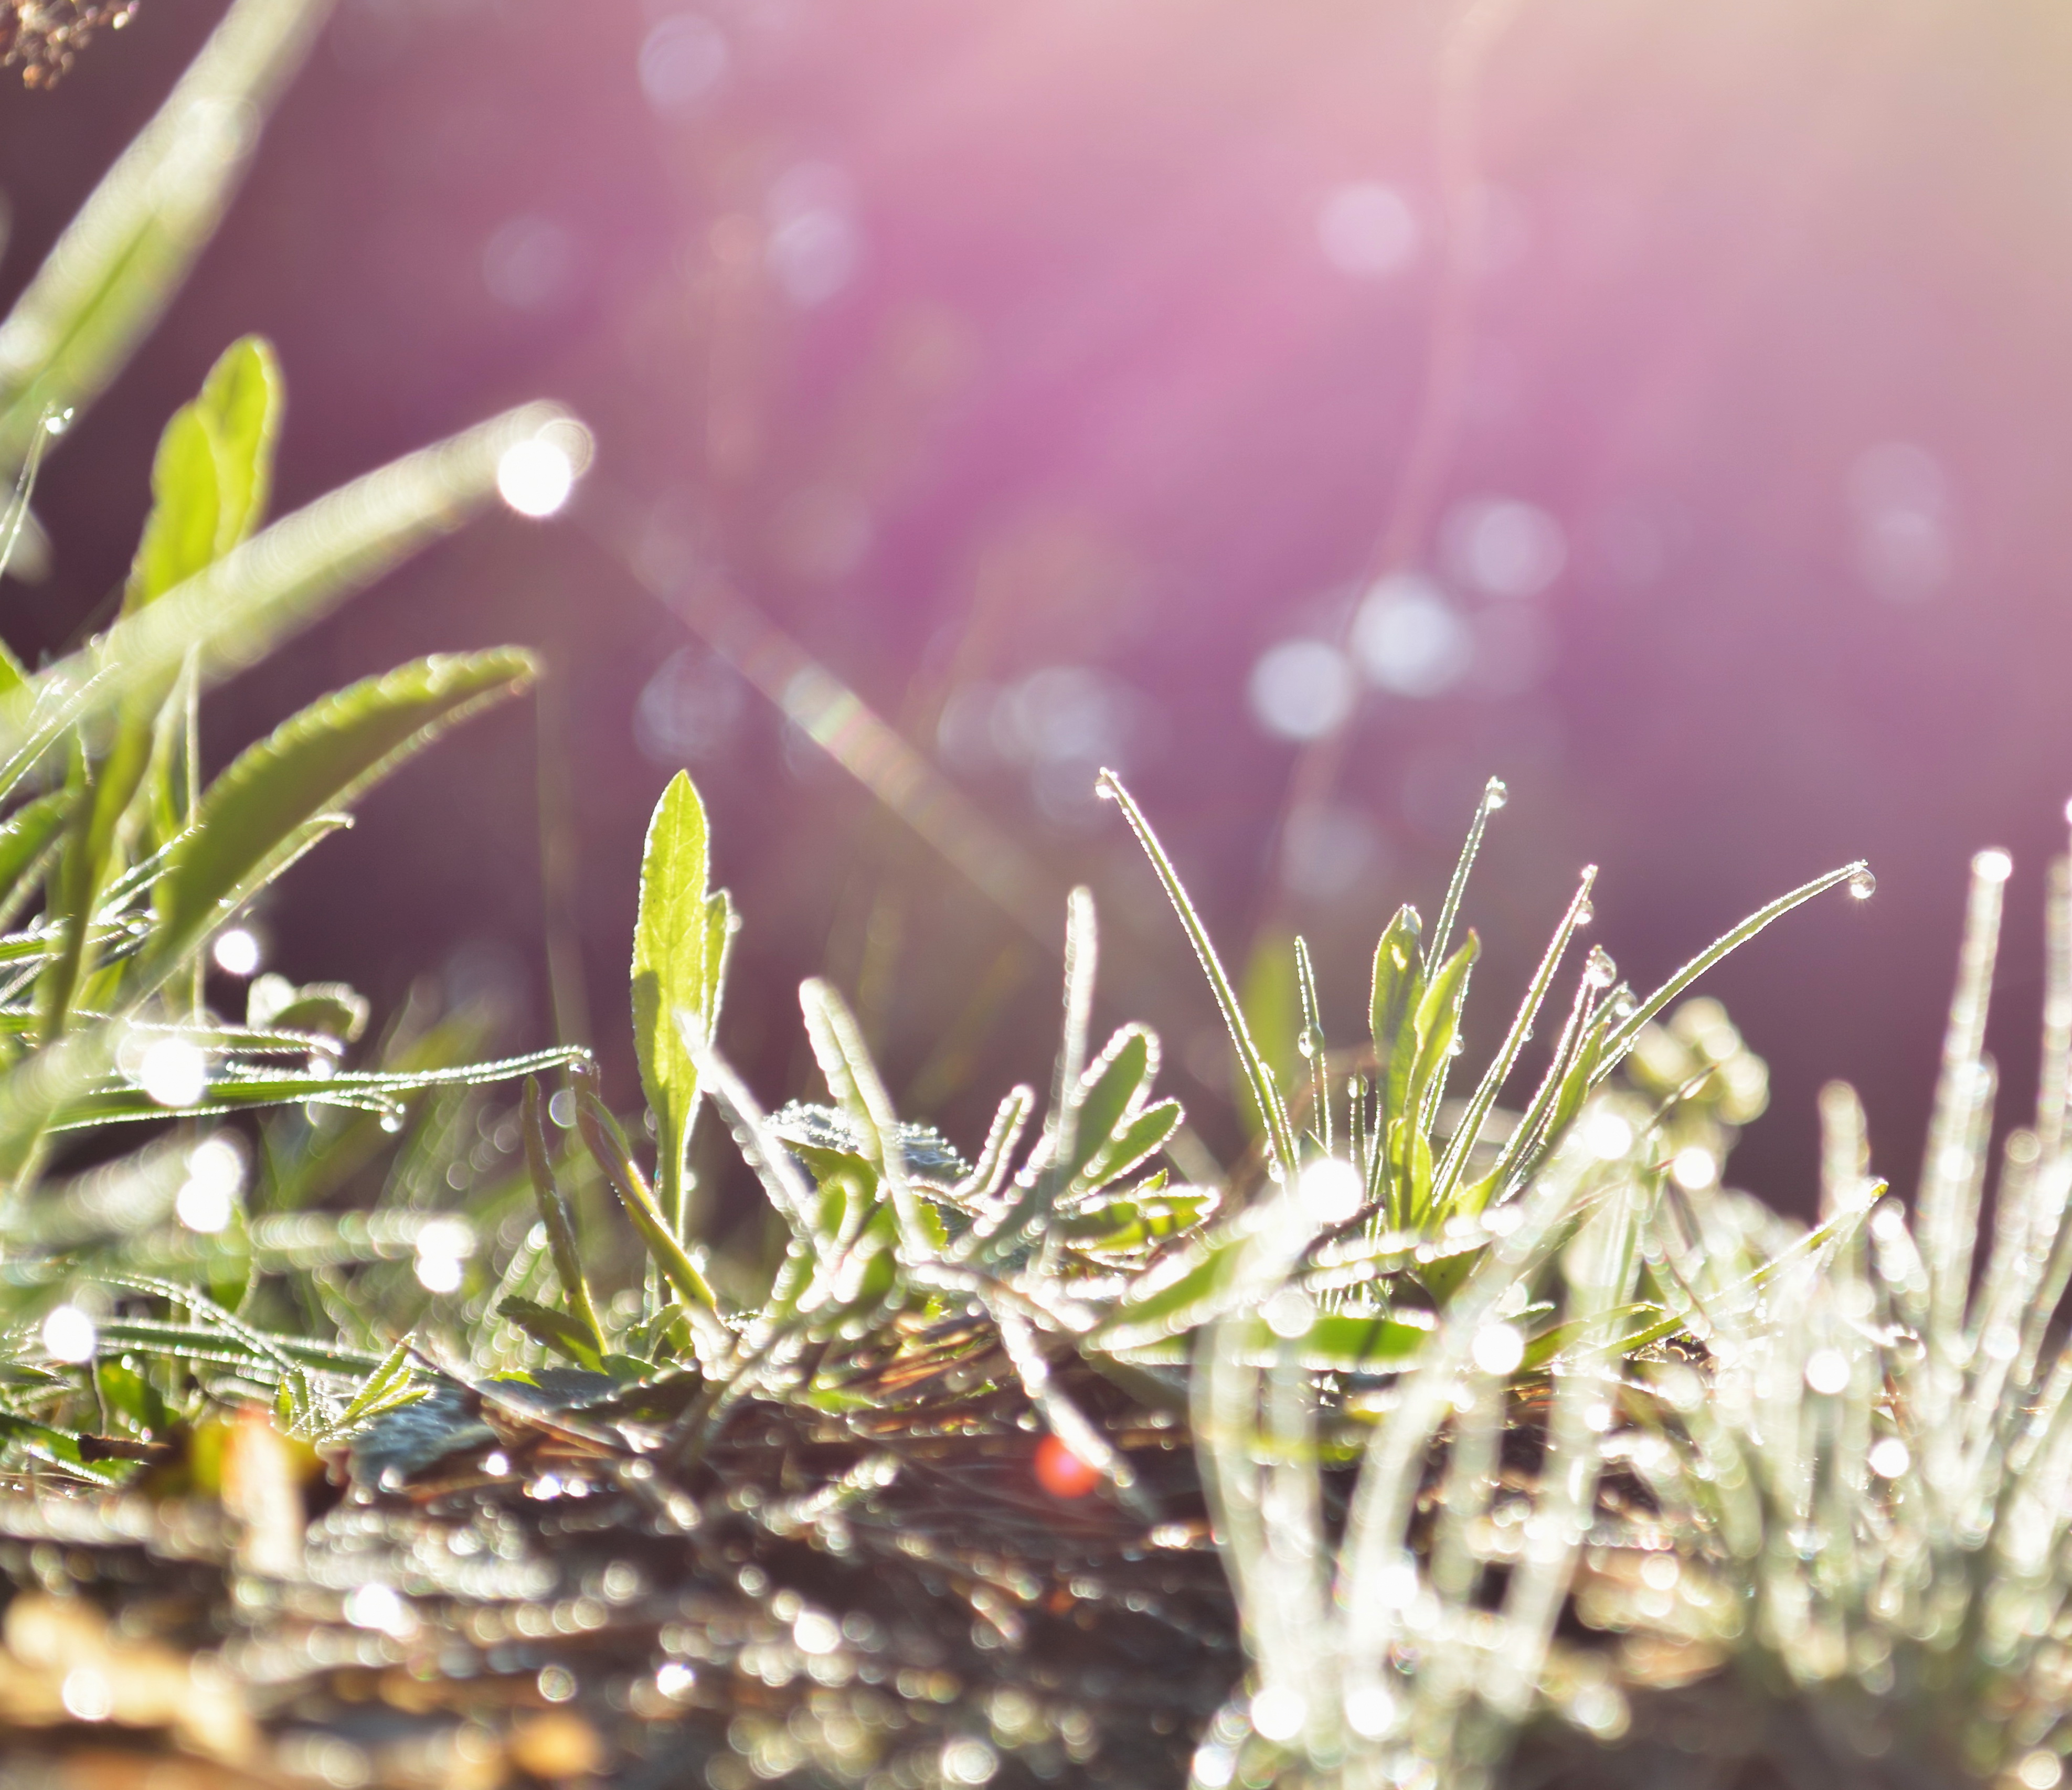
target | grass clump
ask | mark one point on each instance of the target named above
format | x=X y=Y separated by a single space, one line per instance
x=1467 y=1436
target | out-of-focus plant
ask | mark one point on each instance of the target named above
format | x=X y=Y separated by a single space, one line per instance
x=121 y=863
x=1865 y=1483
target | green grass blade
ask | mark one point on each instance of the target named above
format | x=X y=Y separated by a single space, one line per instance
x=313 y=764
x=1494 y=797
x=1485 y=1096
x=126 y=252
x=1258 y=1075
x=287 y=576
x=1621 y=1040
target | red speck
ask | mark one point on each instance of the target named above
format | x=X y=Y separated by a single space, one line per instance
x=1061 y=1472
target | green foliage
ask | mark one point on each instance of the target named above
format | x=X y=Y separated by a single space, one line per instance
x=679 y=944
x=1851 y=1449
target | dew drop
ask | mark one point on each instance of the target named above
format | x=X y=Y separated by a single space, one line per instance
x=1495 y=794
x=1862 y=885
x=1600 y=971
x=1992 y=865
x=1585 y=913
x=56 y=422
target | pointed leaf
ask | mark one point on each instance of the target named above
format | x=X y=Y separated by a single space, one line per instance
x=241 y=402
x=672 y=938
x=554 y=1330
x=180 y=533
x=1111 y=1091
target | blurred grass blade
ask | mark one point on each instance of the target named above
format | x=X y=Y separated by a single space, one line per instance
x=560 y=1221
x=12 y=675
x=231 y=614
x=316 y=762
x=845 y=1061
x=124 y=255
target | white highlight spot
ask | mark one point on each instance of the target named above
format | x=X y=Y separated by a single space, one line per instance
x=1992 y=865
x=70 y=1335
x=1278 y=1712
x=1301 y=689
x=215 y=1176
x=1694 y=1168
x=378 y=1607
x=173 y=1073
x=815 y=1631
x=87 y=1694
x=1498 y=1348
x=1288 y=1313
x=1888 y=1457
x=1409 y=640
x=536 y=478
x=1369 y=1712
x=1504 y=547
x=236 y=952
x=967 y=1760
x=2039 y=1770
x=683 y=60
x=1827 y=1371
x=443 y=1247
x=675 y=1679
x=1331 y=1190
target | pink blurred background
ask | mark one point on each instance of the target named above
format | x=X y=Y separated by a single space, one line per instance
x=1049 y=372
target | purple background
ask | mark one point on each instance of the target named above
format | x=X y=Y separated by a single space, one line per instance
x=977 y=341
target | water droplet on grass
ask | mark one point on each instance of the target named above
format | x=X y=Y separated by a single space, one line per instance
x=1862 y=885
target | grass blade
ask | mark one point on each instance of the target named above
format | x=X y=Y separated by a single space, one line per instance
x=1280 y=1133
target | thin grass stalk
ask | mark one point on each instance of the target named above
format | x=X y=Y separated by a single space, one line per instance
x=1465 y=1135
x=1949 y=1168
x=1282 y=1154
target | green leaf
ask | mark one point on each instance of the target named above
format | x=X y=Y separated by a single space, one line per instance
x=128 y=250
x=1273 y=1012
x=241 y=401
x=131 y=1396
x=554 y=1330
x=229 y=616
x=1139 y=1138
x=386 y=1389
x=1399 y=982
x=26 y=834
x=317 y=761
x=1622 y=1040
x=1469 y=1131
x=673 y=948
x=1432 y=1029
x=1343 y=1343
x=1117 y=1226
x=1111 y=1091
x=180 y=533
